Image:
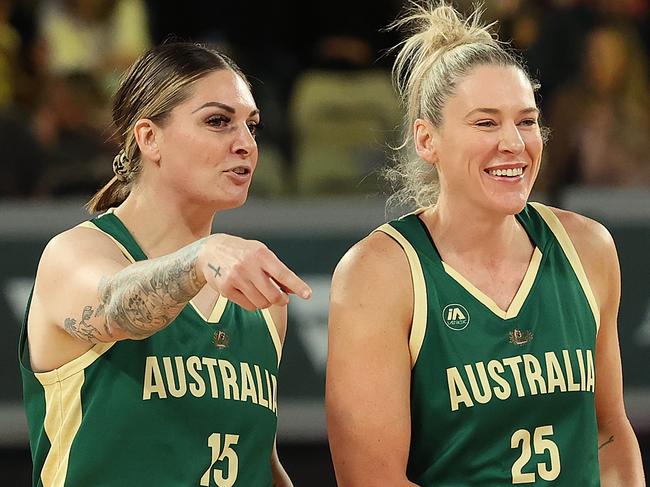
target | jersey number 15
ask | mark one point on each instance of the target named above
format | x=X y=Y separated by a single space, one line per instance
x=220 y=453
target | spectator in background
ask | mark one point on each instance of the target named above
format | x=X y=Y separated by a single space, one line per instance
x=342 y=112
x=75 y=151
x=601 y=119
x=99 y=37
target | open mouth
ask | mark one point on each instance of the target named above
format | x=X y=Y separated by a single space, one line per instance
x=240 y=170
x=513 y=172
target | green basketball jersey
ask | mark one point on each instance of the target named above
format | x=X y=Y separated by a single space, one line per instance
x=502 y=397
x=193 y=405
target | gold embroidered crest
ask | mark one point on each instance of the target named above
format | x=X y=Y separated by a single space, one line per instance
x=518 y=337
x=220 y=339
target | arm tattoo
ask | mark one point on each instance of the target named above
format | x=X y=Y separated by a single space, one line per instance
x=611 y=440
x=85 y=330
x=145 y=297
x=141 y=299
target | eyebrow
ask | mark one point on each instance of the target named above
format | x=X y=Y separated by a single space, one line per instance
x=223 y=106
x=495 y=111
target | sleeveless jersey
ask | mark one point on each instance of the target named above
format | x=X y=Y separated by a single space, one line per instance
x=192 y=405
x=502 y=397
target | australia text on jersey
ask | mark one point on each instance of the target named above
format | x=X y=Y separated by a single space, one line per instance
x=179 y=376
x=557 y=375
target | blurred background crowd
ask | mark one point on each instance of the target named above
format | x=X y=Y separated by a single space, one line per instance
x=322 y=80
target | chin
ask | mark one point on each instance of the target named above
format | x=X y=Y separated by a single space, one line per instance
x=235 y=201
x=510 y=205
x=223 y=202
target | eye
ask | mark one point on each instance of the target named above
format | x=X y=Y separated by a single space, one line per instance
x=254 y=128
x=218 y=121
x=486 y=123
x=529 y=122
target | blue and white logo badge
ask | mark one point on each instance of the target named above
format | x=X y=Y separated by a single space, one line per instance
x=455 y=316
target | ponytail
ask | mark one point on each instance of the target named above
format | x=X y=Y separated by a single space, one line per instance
x=112 y=194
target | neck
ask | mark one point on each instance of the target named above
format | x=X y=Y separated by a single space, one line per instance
x=160 y=223
x=476 y=234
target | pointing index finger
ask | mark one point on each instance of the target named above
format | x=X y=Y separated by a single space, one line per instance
x=287 y=280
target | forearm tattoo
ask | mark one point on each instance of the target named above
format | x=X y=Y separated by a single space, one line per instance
x=142 y=298
x=611 y=440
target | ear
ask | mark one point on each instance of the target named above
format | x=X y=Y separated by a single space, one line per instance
x=424 y=135
x=146 y=133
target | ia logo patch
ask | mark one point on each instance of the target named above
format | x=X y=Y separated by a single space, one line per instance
x=455 y=316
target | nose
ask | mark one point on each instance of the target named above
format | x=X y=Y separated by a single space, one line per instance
x=244 y=143
x=511 y=140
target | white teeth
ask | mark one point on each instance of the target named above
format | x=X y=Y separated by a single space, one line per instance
x=518 y=171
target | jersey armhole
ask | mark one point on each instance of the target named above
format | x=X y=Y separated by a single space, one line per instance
x=419 y=322
x=571 y=254
x=89 y=224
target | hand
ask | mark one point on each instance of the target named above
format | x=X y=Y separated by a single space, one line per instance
x=248 y=273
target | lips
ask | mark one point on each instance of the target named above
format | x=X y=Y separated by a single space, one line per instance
x=239 y=170
x=506 y=171
x=239 y=174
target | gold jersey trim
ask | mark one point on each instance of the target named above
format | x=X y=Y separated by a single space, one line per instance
x=62 y=421
x=217 y=310
x=563 y=238
x=74 y=366
x=273 y=330
x=418 y=325
x=520 y=296
x=62 y=388
x=89 y=224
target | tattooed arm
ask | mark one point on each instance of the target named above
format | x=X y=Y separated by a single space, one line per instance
x=87 y=292
x=618 y=448
x=143 y=298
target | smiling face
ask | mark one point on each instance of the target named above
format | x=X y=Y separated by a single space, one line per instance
x=488 y=147
x=205 y=149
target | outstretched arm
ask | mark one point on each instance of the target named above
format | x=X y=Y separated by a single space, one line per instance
x=87 y=289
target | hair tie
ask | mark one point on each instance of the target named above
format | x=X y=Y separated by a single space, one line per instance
x=121 y=165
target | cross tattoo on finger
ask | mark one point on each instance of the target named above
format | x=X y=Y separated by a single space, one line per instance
x=217 y=270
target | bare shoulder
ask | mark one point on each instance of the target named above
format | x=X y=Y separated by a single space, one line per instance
x=71 y=256
x=597 y=252
x=372 y=285
x=76 y=244
x=376 y=256
x=590 y=238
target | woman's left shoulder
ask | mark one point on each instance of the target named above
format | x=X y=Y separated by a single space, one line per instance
x=597 y=253
x=590 y=238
